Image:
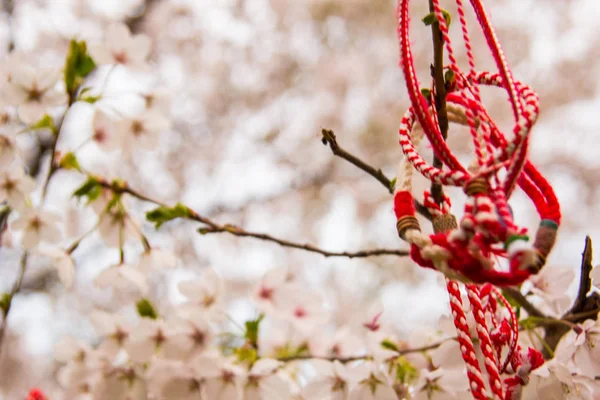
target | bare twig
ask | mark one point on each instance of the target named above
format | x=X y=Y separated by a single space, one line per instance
x=328 y=138
x=585 y=281
x=15 y=289
x=9 y=7
x=437 y=71
x=403 y=352
x=517 y=296
x=214 y=227
x=236 y=231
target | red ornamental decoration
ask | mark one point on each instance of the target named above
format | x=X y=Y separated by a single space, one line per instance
x=36 y=394
x=467 y=251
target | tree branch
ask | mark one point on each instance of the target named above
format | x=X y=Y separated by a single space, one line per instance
x=517 y=296
x=403 y=352
x=214 y=227
x=585 y=280
x=328 y=138
x=437 y=72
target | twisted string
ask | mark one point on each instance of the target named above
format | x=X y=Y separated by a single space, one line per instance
x=467 y=251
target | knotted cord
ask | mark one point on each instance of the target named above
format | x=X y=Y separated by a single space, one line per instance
x=467 y=251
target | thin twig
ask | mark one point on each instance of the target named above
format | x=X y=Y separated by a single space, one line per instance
x=236 y=231
x=15 y=289
x=214 y=227
x=437 y=71
x=403 y=352
x=585 y=281
x=517 y=296
x=328 y=138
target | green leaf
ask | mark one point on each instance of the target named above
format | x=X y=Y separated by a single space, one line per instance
x=161 y=215
x=405 y=371
x=90 y=189
x=45 y=123
x=393 y=184
x=145 y=309
x=449 y=77
x=430 y=18
x=69 y=161
x=426 y=93
x=252 y=327
x=78 y=65
x=246 y=354
x=5 y=301
x=389 y=345
x=90 y=99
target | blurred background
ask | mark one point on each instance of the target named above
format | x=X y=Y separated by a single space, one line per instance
x=248 y=85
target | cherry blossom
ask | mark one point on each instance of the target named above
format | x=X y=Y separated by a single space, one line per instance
x=441 y=384
x=124 y=278
x=8 y=150
x=142 y=131
x=64 y=264
x=121 y=47
x=37 y=226
x=264 y=382
x=148 y=339
x=580 y=348
x=550 y=285
x=189 y=335
x=333 y=380
x=264 y=294
x=115 y=329
x=374 y=385
x=156 y=259
x=205 y=293
x=104 y=131
x=554 y=381
x=116 y=227
x=223 y=379
x=15 y=186
x=122 y=383
x=34 y=91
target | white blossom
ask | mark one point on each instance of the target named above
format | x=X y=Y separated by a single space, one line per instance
x=115 y=329
x=142 y=131
x=104 y=131
x=149 y=337
x=15 y=186
x=206 y=293
x=121 y=47
x=64 y=264
x=265 y=383
x=34 y=91
x=124 y=278
x=156 y=259
x=333 y=380
x=442 y=384
x=189 y=335
x=580 y=348
x=37 y=226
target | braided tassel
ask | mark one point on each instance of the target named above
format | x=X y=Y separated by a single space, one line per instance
x=467 y=350
x=490 y=361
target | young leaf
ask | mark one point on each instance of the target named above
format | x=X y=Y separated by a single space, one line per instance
x=45 y=123
x=78 y=65
x=69 y=161
x=405 y=371
x=430 y=18
x=5 y=300
x=145 y=309
x=389 y=345
x=161 y=215
x=90 y=189
x=251 y=333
